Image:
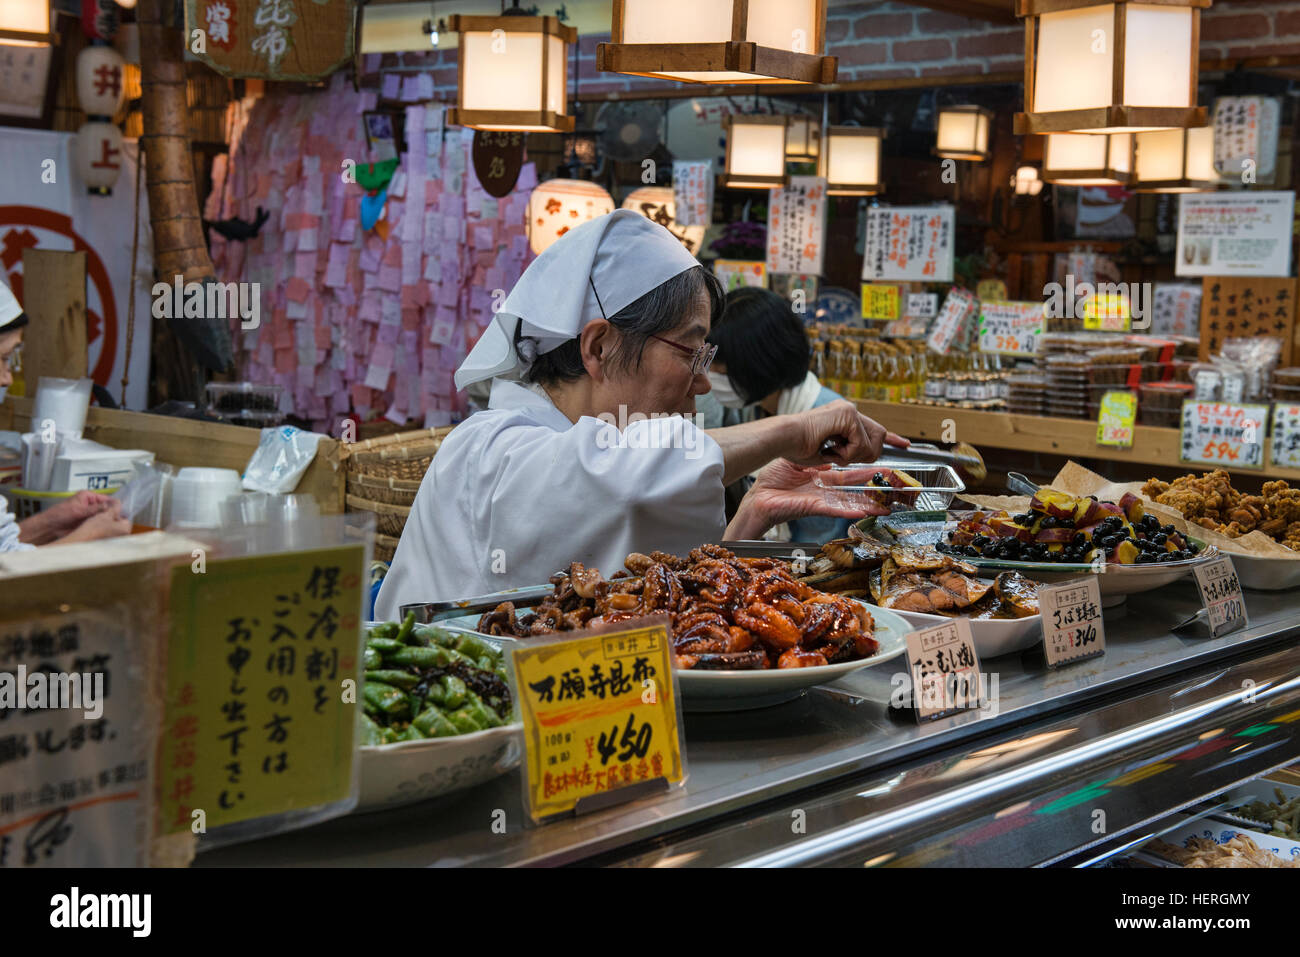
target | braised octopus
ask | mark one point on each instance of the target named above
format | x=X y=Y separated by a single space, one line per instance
x=726 y=612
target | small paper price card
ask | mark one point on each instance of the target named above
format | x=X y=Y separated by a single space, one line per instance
x=1011 y=328
x=921 y=305
x=1219 y=433
x=1286 y=436
x=880 y=301
x=1115 y=418
x=600 y=714
x=945 y=669
x=1072 y=625
x=1107 y=312
x=1221 y=595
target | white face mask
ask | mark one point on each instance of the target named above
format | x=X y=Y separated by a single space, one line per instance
x=723 y=392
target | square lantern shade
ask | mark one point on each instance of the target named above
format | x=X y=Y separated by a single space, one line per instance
x=755 y=152
x=512 y=73
x=962 y=133
x=1026 y=182
x=1110 y=67
x=802 y=138
x=1085 y=159
x=851 y=161
x=25 y=22
x=1175 y=161
x=719 y=41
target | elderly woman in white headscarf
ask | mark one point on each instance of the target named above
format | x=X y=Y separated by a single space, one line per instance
x=583 y=453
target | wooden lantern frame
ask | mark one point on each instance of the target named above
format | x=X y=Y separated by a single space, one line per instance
x=966 y=156
x=737 y=55
x=1183 y=184
x=540 y=120
x=1117 y=114
x=734 y=181
x=1113 y=176
x=854 y=189
x=31 y=36
x=810 y=149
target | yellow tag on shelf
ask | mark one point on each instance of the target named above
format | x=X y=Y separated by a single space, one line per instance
x=1108 y=313
x=1115 y=418
x=256 y=717
x=600 y=713
x=881 y=300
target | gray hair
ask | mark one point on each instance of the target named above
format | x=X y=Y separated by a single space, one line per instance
x=659 y=311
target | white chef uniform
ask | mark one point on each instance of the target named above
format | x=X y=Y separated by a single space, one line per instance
x=517 y=492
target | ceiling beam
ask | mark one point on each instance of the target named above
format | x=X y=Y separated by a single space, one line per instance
x=995 y=11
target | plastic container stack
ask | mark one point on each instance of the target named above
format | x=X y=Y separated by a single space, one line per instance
x=243 y=403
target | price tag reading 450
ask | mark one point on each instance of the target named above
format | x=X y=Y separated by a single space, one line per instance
x=600 y=715
x=945 y=669
x=1072 y=625
x=1221 y=595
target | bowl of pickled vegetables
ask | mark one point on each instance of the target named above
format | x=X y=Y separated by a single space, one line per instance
x=438 y=714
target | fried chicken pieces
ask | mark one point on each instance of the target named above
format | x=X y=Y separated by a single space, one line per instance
x=727 y=612
x=1210 y=501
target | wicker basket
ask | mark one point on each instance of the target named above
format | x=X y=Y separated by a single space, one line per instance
x=389 y=519
x=390 y=491
x=385 y=548
x=404 y=455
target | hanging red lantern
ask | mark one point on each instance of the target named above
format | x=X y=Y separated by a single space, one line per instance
x=100 y=81
x=97 y=152
x=99 y=19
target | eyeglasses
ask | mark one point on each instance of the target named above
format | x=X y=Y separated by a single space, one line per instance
x=701 y=358
x=15 y=359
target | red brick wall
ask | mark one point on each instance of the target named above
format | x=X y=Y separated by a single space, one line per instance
x=886 y=40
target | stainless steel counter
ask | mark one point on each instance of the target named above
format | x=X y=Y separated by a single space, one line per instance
x=837 y=777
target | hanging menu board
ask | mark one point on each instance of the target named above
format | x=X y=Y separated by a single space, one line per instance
x=1011 y=328
x=693 y=192
x=909 y=243
x=957 y=309
x=1176 y=310
x=1285 y=447
x=1217 y=433
x=796 y=226
x=1233 y=308
x=1235 y=234
x=269 y=39
x=1245 y=137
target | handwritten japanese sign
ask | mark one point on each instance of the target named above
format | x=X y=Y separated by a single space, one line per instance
x=1234 y=234
x=1072 y=624
x=945 y=669
x=1217 y=433
x=498 y=157
x=1176 y=310
x=1115 y=418
x=600 y=713
x=909 y=243
x=1233 y=308
x=1221 y=595
x=1286 y=436
x=1011 y=328
x=76 y=745
x=880 y=301
x=958 y=307
x=921 y=305
x=1245 y=136
x=796 y=226
x=693 y=192
x=256 y=718
x=273 y=39
x=735 y=273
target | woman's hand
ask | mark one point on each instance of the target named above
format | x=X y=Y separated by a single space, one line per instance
x=105 y=523
x=855 y=437
x=60 y=520
x=784 y=491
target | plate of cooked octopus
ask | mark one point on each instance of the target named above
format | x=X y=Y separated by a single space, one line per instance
x=746 y=632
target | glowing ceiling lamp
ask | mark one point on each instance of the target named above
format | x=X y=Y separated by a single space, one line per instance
x=803 y=138
x=719 y=41
x=1084 y=159
x=755 y=151
x=512 y=73
x=25 y=23
x=851 y=160
x=1026 y=181
x=1175 y=161
x=558 y=205
x=962 y=133
x=1110 y=67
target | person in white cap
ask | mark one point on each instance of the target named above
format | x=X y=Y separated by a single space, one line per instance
x=583 y=453
x=86 y=516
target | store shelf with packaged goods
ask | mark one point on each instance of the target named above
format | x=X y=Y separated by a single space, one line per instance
x=1076 y=438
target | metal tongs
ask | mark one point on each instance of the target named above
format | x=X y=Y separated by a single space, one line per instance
x=963 y=455
x=431 y=611
x=1018 y=483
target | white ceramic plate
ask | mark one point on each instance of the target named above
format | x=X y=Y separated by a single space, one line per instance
x=1263 y=573
x=993 y=636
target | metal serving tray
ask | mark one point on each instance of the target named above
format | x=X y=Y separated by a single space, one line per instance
x=940 y=484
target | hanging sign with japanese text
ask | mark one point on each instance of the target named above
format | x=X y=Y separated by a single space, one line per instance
x=1285 y=447
x=1217 y=433
x=796 y=226
x=1011 y=328
x=1221 y=595
x=498 y=157
x=600 y=714
x=262 y=655
x=272 y=39
x=909 y=243
x=1073 y=629
x=1116 y=417
x=945 y=669
x=1234 y=234
x=880 y=300
x=693 y=192
x=1245 y=137
x=958 y=307
x=1176 y=310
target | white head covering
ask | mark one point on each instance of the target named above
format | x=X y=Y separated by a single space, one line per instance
x=10 y=311
x=623 y=254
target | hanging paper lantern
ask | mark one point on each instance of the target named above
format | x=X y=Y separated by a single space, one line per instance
x=851 y=161
x=658 y=203
x=963 y=133
x=1083 y=159
x=1026 y=181
x=98 y=154
x=755 y=151
x=802 y=138
x=99 y=19
x=101 y=86
x=1175 y=161
x=559 y=205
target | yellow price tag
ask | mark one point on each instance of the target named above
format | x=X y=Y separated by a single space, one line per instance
x=1115 y=419
x=880 y=301
x=600 y=713
x=1108 y=313
x=256 y=718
